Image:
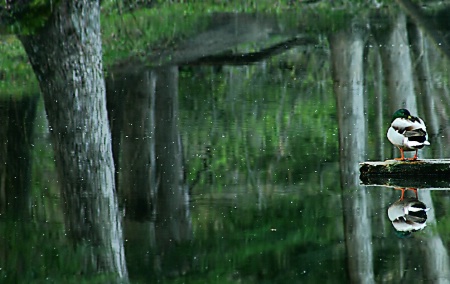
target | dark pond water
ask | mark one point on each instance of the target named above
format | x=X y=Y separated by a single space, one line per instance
x=245 y=173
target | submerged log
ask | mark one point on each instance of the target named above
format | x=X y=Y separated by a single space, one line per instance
x=419 y=173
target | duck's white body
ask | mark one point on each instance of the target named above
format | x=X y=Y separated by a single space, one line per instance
x=408 y=133
x=408 y=215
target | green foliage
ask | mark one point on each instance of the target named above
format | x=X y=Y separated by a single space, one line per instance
x=16 y=76
x=135 y=34
x=112 y=6
x=257 y=121
x=25 y=17
x=35 y=243
x=39 y=252
x=143 y=33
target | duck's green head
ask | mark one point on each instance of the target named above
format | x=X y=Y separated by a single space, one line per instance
x=401 y=113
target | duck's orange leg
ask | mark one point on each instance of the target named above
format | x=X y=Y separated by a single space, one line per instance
x=415 y=156
x=403 y=191
x=402 y=158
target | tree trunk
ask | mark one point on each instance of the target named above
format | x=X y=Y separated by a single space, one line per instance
x=66 y=56
x=427 y=99
x=397 y=66
x=172 y=222
x=17 y=120
x=347 y=58
x=131 y=106
x=137 y=163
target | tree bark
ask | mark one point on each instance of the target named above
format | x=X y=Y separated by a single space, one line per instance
x=347 y=70
x=66 y=55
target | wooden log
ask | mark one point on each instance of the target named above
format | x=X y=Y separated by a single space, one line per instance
x=433 y=167
x=419 y=173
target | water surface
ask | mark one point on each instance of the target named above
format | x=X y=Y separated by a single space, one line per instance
x=245 y=171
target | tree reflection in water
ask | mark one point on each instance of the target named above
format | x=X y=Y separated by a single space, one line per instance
x=259 y=207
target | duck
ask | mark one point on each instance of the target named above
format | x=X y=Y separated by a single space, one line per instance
x=408 y=214
x=407 y=133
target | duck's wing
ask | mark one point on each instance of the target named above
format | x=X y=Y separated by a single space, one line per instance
x=412 y=123
x=418 y=123
x=414 y=127
x=416 y=134
x=402 y=225
x=401 y=124
x=414 y=204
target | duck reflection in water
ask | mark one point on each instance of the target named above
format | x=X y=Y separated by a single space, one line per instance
x=408 y=214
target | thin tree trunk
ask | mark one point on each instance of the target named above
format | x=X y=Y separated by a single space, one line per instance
x=397 y=66
x=66 y=55
x=17 y=119
x=426 y=98
x=437 y=263
x=379 y=101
